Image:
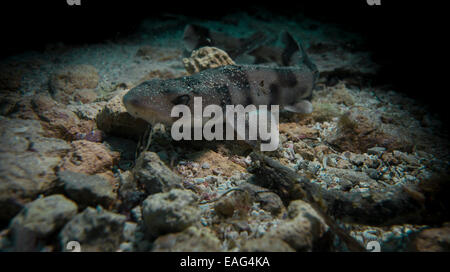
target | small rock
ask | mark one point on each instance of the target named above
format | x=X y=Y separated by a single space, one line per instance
x=87 y=190
x=343 y=164
x=126 y=247
x=205 y=58
x=304 y=150
x=115 y=120
x=389 y=159
x=40 y=219
x=129 y=191
x=87 y=111
x=321 y=151
x=95 y=230
x=407 y=158
x=357 y=159
x=170 y=212
x=192 y=239
x=90 y=158
x=353 y=176
x=266 y=244
x=125 y=147
x=219 y=164
x=237 y=201
x=154 y=175
x=136 y=214
x=206 y=165
x=305 y=230
x=433 y=240
x=374 y=173
x=85 y=96
x=346 y=185
x=28 y=163
x=129 y=230
x=313 y=167
x=376 y=150
x=268 y=201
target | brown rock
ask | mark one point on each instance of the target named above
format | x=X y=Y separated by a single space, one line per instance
x=192 y=239
x=343 y=164
x=90 y=158
x=304 y=150
x=434 y=240
x=269 y=201
x=40 y=219
x=389 y=158
x=266 y=244
x=87 y=190
x=154 y=175
x=96 y=230
x=321 y=150
x=217 y=162
x=170 y=212
x=28 y=163
x=114 y=119
x=235 y=202
x=56 y=119
x=350 y=175
x=22 y=108
x=87 y=111
x=64 y=82
x=304 y=230
x=85 y=96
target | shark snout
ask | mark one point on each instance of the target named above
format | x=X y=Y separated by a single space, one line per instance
x=130 y=100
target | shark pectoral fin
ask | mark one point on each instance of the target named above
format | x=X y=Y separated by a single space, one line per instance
x=303 y=106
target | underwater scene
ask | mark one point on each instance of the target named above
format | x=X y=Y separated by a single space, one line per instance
x=95 y=156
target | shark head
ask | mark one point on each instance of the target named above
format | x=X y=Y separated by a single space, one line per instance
x=153 y=100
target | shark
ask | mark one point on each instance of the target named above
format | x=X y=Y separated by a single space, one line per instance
x=290 y=86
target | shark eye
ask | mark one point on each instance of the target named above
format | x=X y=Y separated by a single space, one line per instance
x=182 y=99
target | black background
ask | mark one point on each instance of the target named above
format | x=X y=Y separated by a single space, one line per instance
x=281 y=261
x=405 y=36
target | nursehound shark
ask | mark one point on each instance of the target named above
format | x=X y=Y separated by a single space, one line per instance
x=290 y=86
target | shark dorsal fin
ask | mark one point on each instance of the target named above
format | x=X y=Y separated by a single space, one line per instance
x=294 y=54
x=289 y=55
